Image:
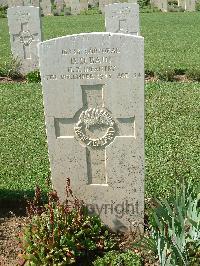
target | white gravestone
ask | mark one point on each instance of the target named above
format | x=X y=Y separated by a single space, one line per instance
x=3 y=3
x=12 y=3
x=93 y=89
x=75 y=7
x=160 y=4
x=59 y=6
x=67 y=3
x=188 y=5
x=46 y=7
x=25 y=34
x=83 y=4
x=122 y=18
x=103 y=3
x=93 y=3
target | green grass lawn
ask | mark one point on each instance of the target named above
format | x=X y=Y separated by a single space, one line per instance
x=172 y=109
x=171 y=129
x=23 y=158
x=171 y=39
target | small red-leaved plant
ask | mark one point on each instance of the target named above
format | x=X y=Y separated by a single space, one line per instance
x=63 y=233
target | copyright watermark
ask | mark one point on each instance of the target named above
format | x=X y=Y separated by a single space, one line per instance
x=118 y=209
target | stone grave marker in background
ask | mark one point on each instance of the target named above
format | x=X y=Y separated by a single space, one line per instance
x=67 y=7
x=75 y=7
x=83 y=4
x=188 y=5
x=46 y=7
x=25 y=34
x=12 y=3
x=122 y=18
x=160 y=4
x=59 y=6
x=31 y=3
x=93 y=89
x=103 y=3
x=67 y=3
x=93 y=3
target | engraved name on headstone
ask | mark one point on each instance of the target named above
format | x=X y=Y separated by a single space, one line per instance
x=93 y=89
x=122 y=18
x=25 y=34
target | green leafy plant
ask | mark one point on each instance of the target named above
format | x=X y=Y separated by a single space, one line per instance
x=165 y=74
x=3 y=11
x=33 y=76
x=63 y=233
x=91 y=11
x=144 y=3
x=193 y=74
x=115 y=258
x=175 y=229
x=11 y=69
x=198 y=5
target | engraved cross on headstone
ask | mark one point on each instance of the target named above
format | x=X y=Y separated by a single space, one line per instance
x=123 y=27
x=26 y=38
x=95 y=128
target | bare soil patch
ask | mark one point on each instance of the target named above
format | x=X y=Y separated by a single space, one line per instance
x=10 y=80
x=11 y=223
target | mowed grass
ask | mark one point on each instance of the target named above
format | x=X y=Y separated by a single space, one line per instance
x=23 y=154
x=171 y=133
x=171 y=39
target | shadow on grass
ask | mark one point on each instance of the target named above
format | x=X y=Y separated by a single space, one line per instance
x=16 y=201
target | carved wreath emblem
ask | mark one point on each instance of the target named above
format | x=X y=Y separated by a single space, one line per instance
x=26 y=38
x=97 y=118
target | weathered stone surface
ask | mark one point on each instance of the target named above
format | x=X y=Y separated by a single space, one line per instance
x=93 y=88
x=12 y=3
x=93 y=3
x=59 y=6
x=46 y=7
x=83 y=4
x=160 y=4
x=188 y=5
x=75 y=7
x=103 y=3
x=3 y=3
x=25 y=34
x=122 y=18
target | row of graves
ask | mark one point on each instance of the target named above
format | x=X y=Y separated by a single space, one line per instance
x=74 y=7
x=93 y=90
x=55 y=7
x=65 y=7
x=167 y=5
